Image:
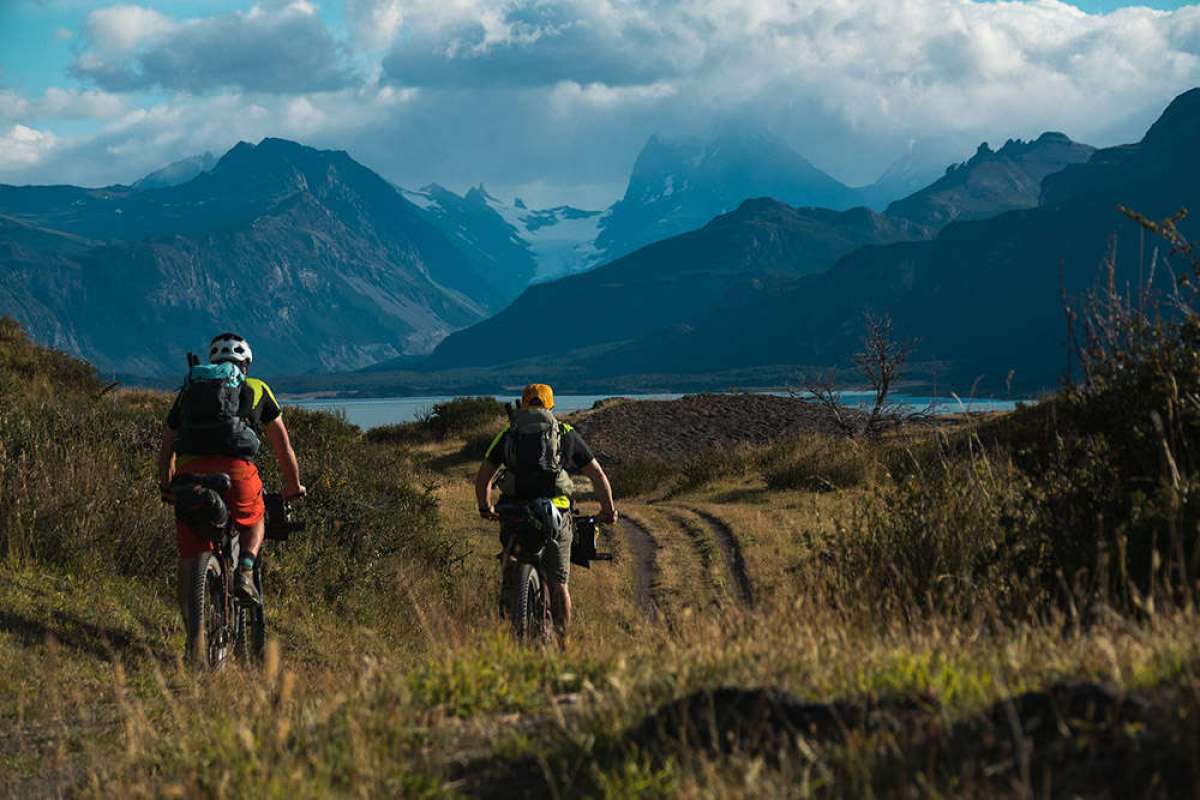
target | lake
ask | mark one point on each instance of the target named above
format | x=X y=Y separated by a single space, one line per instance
x=372 y=412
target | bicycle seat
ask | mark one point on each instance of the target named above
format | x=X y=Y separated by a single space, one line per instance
x=219 y=482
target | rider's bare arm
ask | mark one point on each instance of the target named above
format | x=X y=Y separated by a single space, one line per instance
x=166 y=459
x=281 y=443
x=603 y=489
x=483 y=489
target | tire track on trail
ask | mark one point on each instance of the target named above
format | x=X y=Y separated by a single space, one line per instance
x=645 y=567
x=732 y=551
x=702 y=546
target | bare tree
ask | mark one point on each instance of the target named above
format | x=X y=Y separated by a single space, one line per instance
x=821 y=388
x=881 y=362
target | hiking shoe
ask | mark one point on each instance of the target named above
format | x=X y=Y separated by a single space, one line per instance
x=244 y=588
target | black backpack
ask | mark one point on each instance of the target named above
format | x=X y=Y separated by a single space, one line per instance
x=533 y=454
x=209 y=406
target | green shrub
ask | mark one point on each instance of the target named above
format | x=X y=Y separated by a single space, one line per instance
x=636 y=476
x=942 y=541
x=815 y=463
x=78 y=490
x=698 y=470
x=400 y=433
x=463 y=415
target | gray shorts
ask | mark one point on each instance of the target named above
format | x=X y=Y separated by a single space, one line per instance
x=556 y=558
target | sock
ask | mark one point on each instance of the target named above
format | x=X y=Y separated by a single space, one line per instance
x=248 y=563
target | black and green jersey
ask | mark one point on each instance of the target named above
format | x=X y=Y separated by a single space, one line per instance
x=257 y=405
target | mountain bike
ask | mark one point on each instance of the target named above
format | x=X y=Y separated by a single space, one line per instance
x=220 y=622
x=524 y=587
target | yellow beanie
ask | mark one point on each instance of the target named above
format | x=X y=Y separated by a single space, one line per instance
x=537 y=394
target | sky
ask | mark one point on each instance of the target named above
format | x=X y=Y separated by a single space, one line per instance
x=552 y=99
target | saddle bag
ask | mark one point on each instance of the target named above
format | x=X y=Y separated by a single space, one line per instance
x=199 y=503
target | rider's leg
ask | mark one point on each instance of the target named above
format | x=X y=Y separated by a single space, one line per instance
x=558 y=570
x=560 y=609
x=250 y=538
x=183 y=585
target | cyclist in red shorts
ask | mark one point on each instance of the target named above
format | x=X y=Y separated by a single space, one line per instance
x=194 y=445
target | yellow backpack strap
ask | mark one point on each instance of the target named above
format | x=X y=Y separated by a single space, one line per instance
x=495 y=442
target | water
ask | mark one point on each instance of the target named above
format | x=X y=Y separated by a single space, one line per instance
x=372 y=412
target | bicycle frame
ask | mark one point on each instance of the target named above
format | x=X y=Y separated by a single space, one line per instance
x=242 y=623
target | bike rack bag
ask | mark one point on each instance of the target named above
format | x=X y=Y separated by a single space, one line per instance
x=280 y=525
x=583 y=544
x=199 y=505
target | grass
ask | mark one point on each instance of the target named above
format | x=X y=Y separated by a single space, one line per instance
x=916 y=567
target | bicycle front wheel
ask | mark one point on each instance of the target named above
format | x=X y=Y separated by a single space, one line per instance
x=528 y=605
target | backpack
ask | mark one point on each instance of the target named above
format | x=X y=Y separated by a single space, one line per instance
x=209 y=402
x=533 y=455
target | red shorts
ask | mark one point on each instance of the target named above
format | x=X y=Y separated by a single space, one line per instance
x=244 y=498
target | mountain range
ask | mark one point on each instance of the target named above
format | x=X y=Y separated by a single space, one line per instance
x=329 y=267
x=983 y=298
x=676 y=185
x=658 y=289
x=322 y=262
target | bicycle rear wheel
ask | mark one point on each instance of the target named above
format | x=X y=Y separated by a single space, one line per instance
x=528 y=605
x=207 y=629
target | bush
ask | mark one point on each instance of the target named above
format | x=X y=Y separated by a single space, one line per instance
x=942 y=540
x=464 y=415
x=633 y=477
x=701 y=469
x=366 y=515
x=78 y=489
x=815 y=463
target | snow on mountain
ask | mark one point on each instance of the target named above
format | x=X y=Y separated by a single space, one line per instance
x=522 y=244
x=561 y=239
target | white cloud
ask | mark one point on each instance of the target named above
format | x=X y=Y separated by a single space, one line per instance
x=283 y=48
x=563 y=93
x=140 y=140
x=120 y=29
x=872 y=65
x=23 y=147
x=70 y=104
x=61 y=104
x=375 y=23
x=566 y=96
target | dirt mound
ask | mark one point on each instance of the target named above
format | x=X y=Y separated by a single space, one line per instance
x=697 y=422
x=764 y=720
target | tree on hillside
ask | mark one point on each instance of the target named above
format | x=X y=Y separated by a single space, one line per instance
x=882 y=359
x=881 y=363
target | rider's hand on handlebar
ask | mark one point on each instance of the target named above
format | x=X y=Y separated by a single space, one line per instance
x=488 y=513
x=608 y=517
x=296 y=492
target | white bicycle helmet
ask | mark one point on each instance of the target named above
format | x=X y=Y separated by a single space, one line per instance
x=230 y=347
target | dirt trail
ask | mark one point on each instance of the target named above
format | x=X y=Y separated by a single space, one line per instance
x=644 y=550
x=701 y=544
x=732 y=551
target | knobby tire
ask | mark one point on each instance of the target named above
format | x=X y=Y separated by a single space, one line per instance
x=206 y=611
x=250 y=633
x=527 y=604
